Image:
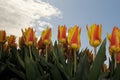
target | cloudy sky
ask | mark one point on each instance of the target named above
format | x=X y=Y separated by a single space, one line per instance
x=17 y=14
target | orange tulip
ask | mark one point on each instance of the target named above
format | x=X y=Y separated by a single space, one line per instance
x=11 y=40
x=94 y=34
x=2 y=36
x=62 y=34
x=29 y=36
x=74 y=37
x=114 y=40
x=46 y=36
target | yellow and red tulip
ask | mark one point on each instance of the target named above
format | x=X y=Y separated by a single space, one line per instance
x=94 y=34
x=2 y=36
x=11 y=40
x=114 y=40
x=62 y=34
x=46 y=36
x=74 y=37
x=29 y=36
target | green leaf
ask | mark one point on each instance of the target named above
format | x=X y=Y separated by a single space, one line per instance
x=70 y=67
x=116 y=75
x=32 y=70
x=60 y=61
x=13 y=52
x=55 y=74
x=16 y=71
x=98 y=62
x=34 y=53
x=2 y=67
x=83 y=68
x=20 y=60
x=62 y=71
x=104 y=75
x=112 y=69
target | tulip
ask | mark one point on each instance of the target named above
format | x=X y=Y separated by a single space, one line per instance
x=62 y=34
x=11 y=40
x=2 y=36
x=94 y=34
x=74 y=41
x=46 y=36
x=74 y=37
x=29 y=36
x=114 y=40
x=46 y=39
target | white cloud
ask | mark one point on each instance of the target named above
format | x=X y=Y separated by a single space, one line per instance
x=17 y=14
x=44 y=23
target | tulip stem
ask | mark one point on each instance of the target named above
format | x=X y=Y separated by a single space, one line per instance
x=1 y=50
x=94 y=53
x=30 y=52
x=75 y=62
x=115 y=64
x=46 y=56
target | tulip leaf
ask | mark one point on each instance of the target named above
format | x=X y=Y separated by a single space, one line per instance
x=63 y=71
x=16 y=71
x=70 y=67
x=2 y=67
x=83 y=68
x=32 y=70
x=116 y=75
x=35 y=53
x=14 y=55
x=112 y=62
x=98 y=62
x=104 y=75
x=20 y=60
x=55 y=74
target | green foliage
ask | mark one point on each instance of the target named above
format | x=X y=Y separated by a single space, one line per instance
x=27 y=63
x=97 y=64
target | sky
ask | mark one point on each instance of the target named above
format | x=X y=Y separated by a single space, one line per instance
x=20 y=14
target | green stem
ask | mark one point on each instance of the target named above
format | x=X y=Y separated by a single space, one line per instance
x=30 y=52
x=75 y=62
x=95 y=52
x=1 y=49
x=46 y=56
x=115 y=64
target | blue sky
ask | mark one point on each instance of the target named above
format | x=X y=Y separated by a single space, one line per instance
x=82 y=12
x=17 y=14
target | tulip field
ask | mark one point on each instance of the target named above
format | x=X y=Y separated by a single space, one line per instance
x=33 y=58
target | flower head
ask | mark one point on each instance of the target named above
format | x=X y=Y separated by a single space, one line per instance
x=11 y=40
x=2 y=36
x=29 y=36
x=62 y=34
x=46 y=36
x=114 y=40
x=94 y=34
x=74 y=37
